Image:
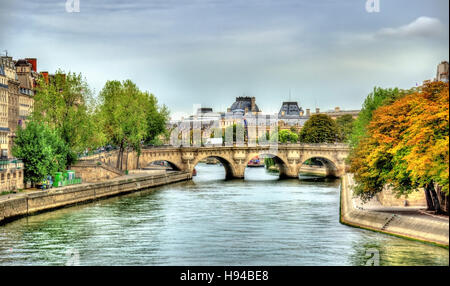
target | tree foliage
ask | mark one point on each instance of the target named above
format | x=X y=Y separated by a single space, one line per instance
x=285 y=136
x=157 y=117
x=345 y=127
x=377 y=98
x=42 y=151
x=64 y=103
x=406 y=145
x=128 y=116
x=320 y=128
x=122 y=115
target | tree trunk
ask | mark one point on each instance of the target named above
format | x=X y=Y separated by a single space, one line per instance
x=120 y=158
x=436 y=203
x=126 y=163
x=137 y=161
x=430 y=205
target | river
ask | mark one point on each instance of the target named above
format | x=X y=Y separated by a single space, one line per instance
x=210 y=221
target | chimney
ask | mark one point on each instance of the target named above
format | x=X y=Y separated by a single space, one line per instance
x=317 y=110
x=253 y=104
x=33 y=63
x=45 y=75
x=337 y=109
x=308 y=112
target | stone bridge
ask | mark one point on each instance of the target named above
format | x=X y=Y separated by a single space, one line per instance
x=289 y=157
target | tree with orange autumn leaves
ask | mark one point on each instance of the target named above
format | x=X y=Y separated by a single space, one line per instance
x=406 y=147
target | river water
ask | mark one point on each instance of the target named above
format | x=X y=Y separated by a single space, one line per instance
x=210 y=221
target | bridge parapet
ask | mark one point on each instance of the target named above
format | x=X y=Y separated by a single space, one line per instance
x=289 y=157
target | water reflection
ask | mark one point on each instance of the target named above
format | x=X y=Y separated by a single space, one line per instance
x=209 y=221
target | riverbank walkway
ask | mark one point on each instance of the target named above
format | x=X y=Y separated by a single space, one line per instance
x=409 y=222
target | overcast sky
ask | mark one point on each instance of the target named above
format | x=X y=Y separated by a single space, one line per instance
x=327 y=53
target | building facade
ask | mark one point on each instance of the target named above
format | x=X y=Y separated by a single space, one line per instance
x=337 y=112
x=11 y=170
x=4 y=107
x=291 y=116
x=442 y=72
x=246 y=112
x=12 y=80
x=27 y=75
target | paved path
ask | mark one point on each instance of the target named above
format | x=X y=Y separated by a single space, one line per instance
x=411 y=211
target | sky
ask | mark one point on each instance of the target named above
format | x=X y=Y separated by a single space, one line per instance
x=322 y=53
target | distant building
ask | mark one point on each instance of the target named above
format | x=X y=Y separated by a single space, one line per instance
x=291 y=116
x=290 y=109
x=337 y=112
x=27 y=75
x=244 y=105
x=4 y=129
x=12 y=101
x=11 y=170
x=442 y=72
x=245 y=111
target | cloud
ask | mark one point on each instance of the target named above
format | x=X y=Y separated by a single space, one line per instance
x=421 y=27
x=209 y=51
x=421 y=30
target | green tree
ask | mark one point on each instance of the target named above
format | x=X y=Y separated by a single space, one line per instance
x=406 y=147
x=65 y=104
x=320 y=128
x=123 y=116
x=157 y=117
x=345 y=126
x=42 y=151
x=285 y=136
x=379 y=97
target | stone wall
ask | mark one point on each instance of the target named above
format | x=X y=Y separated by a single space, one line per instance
x=11 y=179
x=387 y=198
x=28 y=203
x=310 y=170
x=400 y=225
x=95 y=171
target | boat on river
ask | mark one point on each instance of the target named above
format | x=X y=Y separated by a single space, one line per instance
x=255 y=163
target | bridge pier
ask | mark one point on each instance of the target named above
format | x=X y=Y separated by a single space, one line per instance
x=289 y=157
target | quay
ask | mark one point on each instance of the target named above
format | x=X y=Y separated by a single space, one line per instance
x=406 y=222
x=26 y=203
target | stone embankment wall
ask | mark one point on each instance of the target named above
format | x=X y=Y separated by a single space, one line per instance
x=387 y=198
x=418 y=228
x=23 y=204
x=319 y=171
x=95 y=171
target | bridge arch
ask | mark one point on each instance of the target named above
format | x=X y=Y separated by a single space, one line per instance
x=278 y=159
x=171 y=164
x=228 y=164
x=146 y=158
x=330 y=164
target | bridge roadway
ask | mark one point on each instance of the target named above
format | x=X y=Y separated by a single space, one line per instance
x=289 y=157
